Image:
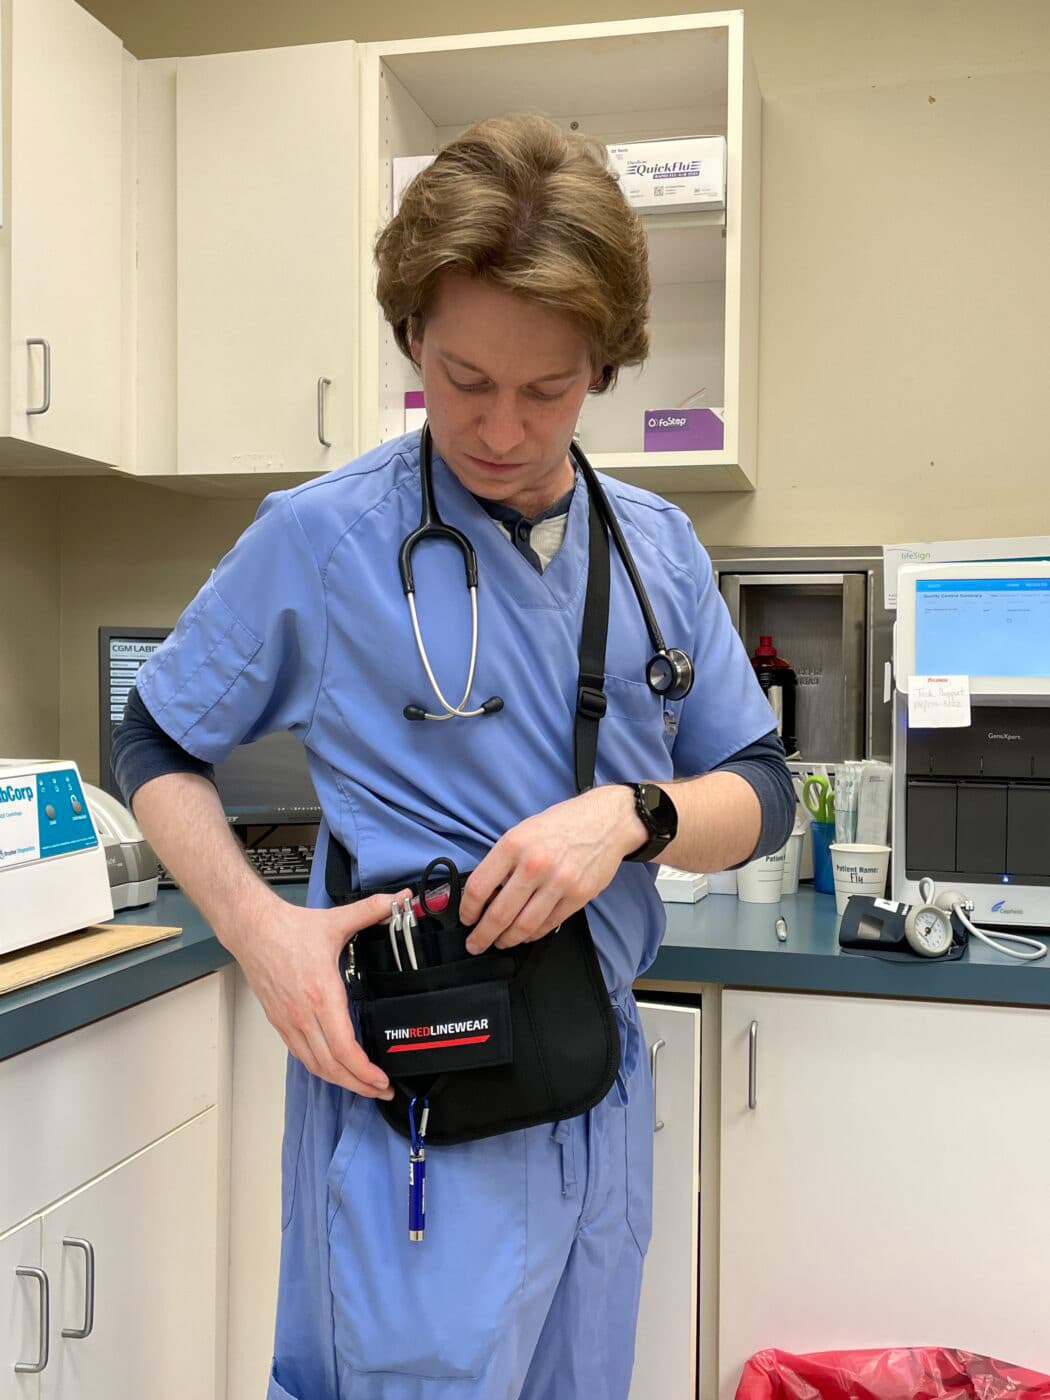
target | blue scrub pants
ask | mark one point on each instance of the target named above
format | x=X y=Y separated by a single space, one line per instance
x=526 y=1285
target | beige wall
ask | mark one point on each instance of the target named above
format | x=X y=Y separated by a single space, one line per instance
x=904 y=300
x=904 y=304
x=30 y=590
x=132 y=555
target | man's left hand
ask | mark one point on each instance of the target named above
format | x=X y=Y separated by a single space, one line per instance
x=549 y=866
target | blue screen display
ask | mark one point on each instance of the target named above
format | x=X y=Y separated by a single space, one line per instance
x=982 y=627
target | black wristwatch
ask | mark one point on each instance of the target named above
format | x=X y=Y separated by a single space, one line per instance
x=659 y=816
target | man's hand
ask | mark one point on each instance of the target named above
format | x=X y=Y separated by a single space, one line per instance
x=290 y=957
x=549 y=866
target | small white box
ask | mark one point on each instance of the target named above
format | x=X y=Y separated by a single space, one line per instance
x=404 y=171
x=689 y=172
x=679 y=886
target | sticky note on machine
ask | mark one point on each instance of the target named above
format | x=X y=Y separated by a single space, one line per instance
x=939 y=702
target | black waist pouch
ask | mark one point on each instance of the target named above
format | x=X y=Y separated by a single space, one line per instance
x=494 y=1042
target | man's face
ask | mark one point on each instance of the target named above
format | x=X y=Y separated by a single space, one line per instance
x=504 y=380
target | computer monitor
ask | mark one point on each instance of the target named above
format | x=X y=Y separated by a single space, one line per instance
x=265 y=783
x=987 y=621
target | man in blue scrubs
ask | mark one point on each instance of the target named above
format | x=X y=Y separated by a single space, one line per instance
x=515 y=277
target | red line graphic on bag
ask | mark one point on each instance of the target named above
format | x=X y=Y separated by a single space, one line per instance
x=438 y=1044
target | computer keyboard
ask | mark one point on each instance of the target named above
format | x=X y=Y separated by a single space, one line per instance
x=277 y=865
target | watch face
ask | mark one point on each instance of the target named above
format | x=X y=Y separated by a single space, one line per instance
x=662 y=814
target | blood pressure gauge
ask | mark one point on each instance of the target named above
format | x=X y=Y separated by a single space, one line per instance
x=928 y=929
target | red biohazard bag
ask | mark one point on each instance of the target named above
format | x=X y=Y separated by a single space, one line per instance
x=920 y=1373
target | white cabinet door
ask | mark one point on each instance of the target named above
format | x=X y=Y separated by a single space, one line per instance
x=267 y=259
x=22 y=1320
x=65 y=220
x=887 y=1185
x=665 y=1366
x=151 y=1225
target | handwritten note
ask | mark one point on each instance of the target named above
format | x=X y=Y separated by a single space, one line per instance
x=939 y=702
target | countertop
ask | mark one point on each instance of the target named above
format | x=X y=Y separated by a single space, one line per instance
x=719 y=940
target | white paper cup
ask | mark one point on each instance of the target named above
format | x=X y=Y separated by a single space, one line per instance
x=859 y=869
x=722 y=882
x=760 y=881
x=792 y=862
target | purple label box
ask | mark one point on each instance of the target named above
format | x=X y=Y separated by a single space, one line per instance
x=683 y=430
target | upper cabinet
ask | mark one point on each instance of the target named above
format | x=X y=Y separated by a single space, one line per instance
x=267 y=260
x=61 y=241
x=621 y=81
x=192 y=289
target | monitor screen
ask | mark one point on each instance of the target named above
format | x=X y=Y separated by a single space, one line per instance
x=261 y=783
x=982 y=626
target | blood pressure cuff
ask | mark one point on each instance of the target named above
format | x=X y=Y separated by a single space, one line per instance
x=496 y=1041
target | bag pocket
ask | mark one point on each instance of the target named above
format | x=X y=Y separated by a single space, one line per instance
x=438 y=1019
x=454 y=1028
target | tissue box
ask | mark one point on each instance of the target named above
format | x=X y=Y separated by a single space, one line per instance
x=686 y=173
x=684 y=430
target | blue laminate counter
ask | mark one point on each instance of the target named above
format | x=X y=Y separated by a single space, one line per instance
x=717 y=941
x=34 y=1014
x=723 y=941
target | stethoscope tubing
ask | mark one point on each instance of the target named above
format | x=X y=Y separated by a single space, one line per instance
x=453 y=710
x=431 y=526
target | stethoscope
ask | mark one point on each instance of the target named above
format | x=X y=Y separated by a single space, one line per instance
x=670 y=670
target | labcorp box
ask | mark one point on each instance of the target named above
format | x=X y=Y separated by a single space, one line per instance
x=689 y=172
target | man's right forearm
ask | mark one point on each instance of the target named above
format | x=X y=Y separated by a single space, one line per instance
x=182 y=818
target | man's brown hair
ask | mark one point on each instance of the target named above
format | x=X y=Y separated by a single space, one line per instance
x=532 y=209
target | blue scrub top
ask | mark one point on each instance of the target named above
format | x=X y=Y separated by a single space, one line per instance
x=304 y=626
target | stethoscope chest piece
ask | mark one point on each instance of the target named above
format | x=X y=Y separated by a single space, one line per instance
x=670 y=674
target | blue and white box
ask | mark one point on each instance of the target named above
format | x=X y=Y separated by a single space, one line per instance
x=686 y=173
x=53 y=875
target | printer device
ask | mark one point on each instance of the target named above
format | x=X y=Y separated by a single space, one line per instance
x=130 y=862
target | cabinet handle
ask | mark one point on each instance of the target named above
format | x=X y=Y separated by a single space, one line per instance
x=89 y=1288
x=30 y=1368
x=654 y=1051
x=322 y=384
x=752 y=1065
x=47 y=375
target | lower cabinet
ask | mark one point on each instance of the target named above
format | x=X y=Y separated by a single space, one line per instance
x=666 y=1353
x=883 y=1178
x=124 y=1298
x=132 y=1263
x=115 y=1286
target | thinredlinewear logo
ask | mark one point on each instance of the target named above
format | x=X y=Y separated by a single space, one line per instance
x=436 y=1037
